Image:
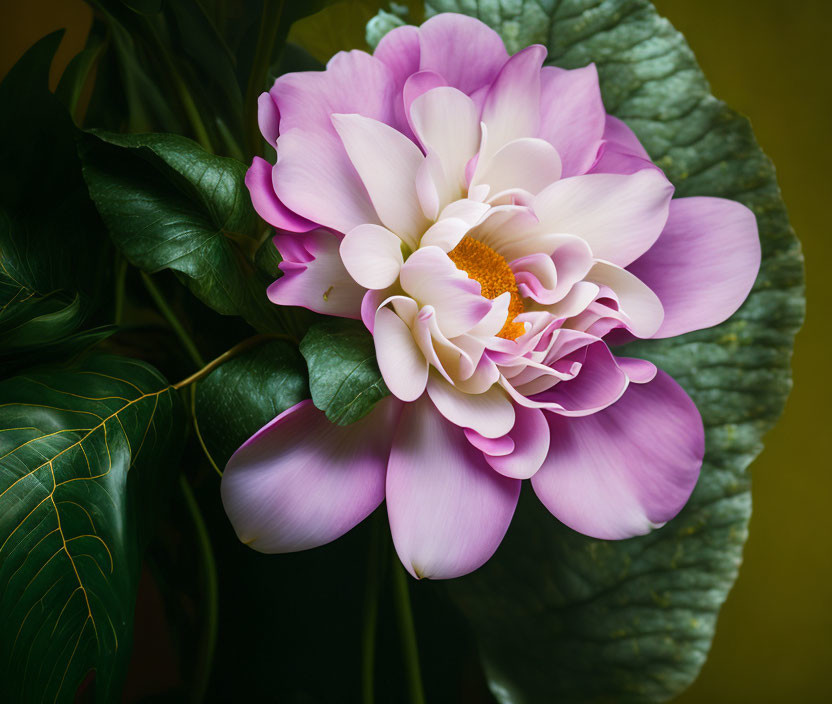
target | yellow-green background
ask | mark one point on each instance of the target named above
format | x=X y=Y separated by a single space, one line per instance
x=770 y=59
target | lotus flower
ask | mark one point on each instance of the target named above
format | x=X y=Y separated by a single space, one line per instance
x=494 y=229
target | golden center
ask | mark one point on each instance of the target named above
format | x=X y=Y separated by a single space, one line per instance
x=495 y=277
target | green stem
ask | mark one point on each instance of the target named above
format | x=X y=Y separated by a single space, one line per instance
x=208 y=642
x=192 y=112
x=198 y=434
x=376 y=558
x=121 y=276
x=407 y=631
x=267 y=35
x=168 y=314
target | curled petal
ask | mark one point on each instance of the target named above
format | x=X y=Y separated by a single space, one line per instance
x=302 y=481
x=448 y=509
x=641 y=306
x=628 y=469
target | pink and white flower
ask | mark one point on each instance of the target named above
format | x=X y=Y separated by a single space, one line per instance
x=493 y=227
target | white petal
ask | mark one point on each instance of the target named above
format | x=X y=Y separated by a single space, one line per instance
x=387 y=163
x=401 y=362
x=372 y=255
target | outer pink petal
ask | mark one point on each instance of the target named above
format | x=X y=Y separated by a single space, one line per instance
x=512 y=105
x=268 y=118
x=448 y=509
x=462 y=49
x=627 y=469
x=266 y=202
x=572 y=115
x=301 y=481
x=316 y=179
x=704 y=263
x=314 y=276
x=354 y=82
x=399 y=51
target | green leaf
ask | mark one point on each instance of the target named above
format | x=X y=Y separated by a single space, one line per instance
x=51 y=239
x=59 y=351
x=562 y=617
x=245 y=393
x=343 y=374
x=86 y=456
x=169 y=204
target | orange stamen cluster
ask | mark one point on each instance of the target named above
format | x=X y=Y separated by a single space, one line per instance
x=494 y=275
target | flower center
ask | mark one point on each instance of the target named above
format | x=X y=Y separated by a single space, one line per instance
x=495 y=277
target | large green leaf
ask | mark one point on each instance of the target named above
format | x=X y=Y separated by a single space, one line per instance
x=169 y=204
x=562 y=617
x=51 y=243
x=86 y=455
x=245 y=393
x=343 y=373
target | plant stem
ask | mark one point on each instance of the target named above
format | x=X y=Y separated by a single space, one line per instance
x=200 y=132
x=118 y=298
x=407 y=631
x=168 y=314
x=205 y=653
x=376 y=559
x=199 y=434
x=228 y=354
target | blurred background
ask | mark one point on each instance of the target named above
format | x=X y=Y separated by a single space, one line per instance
x=770 y=60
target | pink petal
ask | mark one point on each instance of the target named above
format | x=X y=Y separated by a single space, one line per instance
x=399 y=51
x=448 y=509
x=401 y=362
x=531 y=445
x=268 y=118
x=466 y=52
x=619 y=216
x=512 y=105
x=617 y=132
x=704 y=263
x=354 y=82
x=266 y=202
x=638 y=371
x=372 y=255
x=629 y=468
x=572 y=115
x=600 y=383
x=387 y=163
x=316 y=179
x=314 y=276
x=301 y=481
